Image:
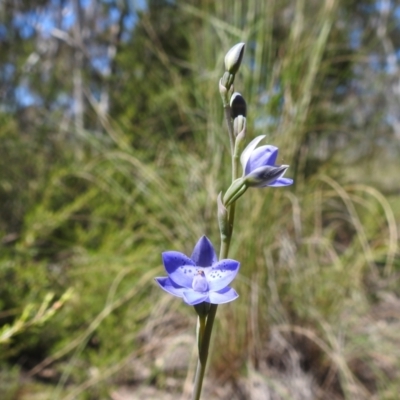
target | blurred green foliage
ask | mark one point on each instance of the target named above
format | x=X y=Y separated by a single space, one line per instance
x=91 y=207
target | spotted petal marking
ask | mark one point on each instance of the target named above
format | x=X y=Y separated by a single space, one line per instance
x=221 y=274
x=180 y=268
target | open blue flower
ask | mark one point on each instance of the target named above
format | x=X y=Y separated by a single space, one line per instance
x=259 y=169
x=200 y=278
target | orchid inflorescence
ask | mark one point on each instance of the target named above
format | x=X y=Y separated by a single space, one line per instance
x=201 y=280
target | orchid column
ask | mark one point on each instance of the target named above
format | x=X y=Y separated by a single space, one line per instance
x=202 y=279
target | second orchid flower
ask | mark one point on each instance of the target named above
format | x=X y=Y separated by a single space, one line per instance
x=259 y=170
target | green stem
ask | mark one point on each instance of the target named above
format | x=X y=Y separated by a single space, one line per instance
x=231 y=220
x=198 y=383
x=200 y=333
x=203 y=353
x=205 y=331
x=231 y=212
x=228 y=120
x=205 y=337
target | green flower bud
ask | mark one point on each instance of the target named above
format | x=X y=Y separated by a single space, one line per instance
x=227 y=80
x=239 y=130
x=236 y=190
x=222 y=217
x=233 y=58
x=239 y=125
x=224 y=94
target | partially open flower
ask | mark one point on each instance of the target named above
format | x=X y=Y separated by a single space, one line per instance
x=200 y=278
x=259 y=169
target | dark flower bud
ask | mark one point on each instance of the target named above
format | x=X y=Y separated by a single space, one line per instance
x=238 y=105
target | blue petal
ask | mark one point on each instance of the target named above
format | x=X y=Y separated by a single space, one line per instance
x=203 y=253
x=244 y=158
x=192 y=297
x=264 y=176
x=281 y=182
x=260 y=157
x=223 y=296
x=169 y=286
x=221 y=274
x=180 y=268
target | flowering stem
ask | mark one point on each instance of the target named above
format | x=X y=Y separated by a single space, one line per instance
x=226 y=234
x=198 y=383
x=231 y=213
x=228 y=119
x=203 y=352
x=203 y=355
x=205 y=336
x=200 y=332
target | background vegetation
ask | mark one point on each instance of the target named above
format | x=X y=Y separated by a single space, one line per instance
x=113 y=149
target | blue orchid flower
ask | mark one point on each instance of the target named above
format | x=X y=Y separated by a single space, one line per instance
x=200 y=278
x=259 y=169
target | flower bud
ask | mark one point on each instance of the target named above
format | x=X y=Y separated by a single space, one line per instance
x=227 y=80
x=236 y=190
x=238 y=105
x=224 y=94
x=240 y=141
x=233 y=58
x=239 y=125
